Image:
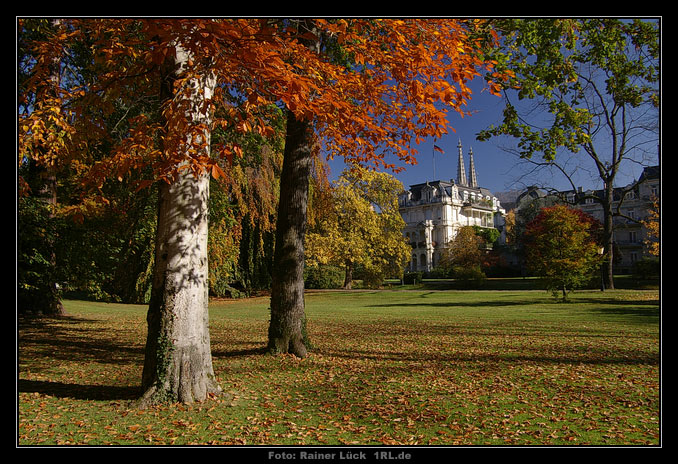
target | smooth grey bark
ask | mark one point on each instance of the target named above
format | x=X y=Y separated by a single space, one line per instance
x=178 y=363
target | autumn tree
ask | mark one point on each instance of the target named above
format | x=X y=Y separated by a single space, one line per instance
x=653 y=226
x=582 y=86
x=366 y=89
x=39 y=81
x=463 y=256
x=182 y=70
x=243 y=207
x=360 y=228
x=562 y=248
x=464 y=249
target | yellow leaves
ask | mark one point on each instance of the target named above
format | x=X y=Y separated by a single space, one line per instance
x=244 y=126
x=359 y=223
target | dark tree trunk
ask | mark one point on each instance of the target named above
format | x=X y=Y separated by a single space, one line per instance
x=286 y=329
x=608 y=237
x=52 y=303
x=348 y=278
x=46 y=299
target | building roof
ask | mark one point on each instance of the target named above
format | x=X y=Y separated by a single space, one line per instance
x=416 y=189
x=649 y=172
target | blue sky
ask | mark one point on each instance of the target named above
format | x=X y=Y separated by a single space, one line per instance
x=497 y=170
x=491 y=164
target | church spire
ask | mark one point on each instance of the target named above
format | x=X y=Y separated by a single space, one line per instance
x=461 y=172
x=472 y=170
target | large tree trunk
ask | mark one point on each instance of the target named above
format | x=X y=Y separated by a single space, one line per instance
x=286 y=329
x=178 y=364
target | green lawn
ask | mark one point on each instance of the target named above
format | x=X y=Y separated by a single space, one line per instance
x=392 y=367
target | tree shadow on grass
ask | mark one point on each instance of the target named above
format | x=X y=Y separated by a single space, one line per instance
x=635 y=315
x=581 y=356
x=79 y=392
x=42 y=344
x=72 y=341
x=643 y=311
x=455 y=304
x=261 y=350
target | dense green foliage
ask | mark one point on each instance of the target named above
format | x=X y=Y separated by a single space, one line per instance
x=35 y=267
x=323 y=276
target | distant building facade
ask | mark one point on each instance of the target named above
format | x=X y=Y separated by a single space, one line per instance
x=634 y=203
x=434 y=211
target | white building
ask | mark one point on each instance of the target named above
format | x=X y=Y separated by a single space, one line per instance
x=434 y=211
x=630 y=206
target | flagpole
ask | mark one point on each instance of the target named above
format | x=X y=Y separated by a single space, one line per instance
x=433 y=155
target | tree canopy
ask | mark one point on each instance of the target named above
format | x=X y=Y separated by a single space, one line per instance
x=360 y=227
x=582 y=86
x=562 y=246
x=377 y=83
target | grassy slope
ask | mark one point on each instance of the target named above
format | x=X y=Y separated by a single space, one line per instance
x=393 y=367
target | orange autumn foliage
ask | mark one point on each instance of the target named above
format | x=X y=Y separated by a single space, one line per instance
x=372 y=88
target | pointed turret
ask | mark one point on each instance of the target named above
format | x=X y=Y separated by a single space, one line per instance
x=472 y=170
x=461 y=172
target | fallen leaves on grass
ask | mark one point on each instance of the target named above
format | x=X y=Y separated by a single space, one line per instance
x=388 y=377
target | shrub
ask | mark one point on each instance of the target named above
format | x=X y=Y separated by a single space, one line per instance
x=323 y=276
x=222 y=287
x=646 y=268
x=371 y=276
x=469 y=277
x=412 y=278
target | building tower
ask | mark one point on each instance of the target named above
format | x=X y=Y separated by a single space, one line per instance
x=461 y=172
x=472 y=171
